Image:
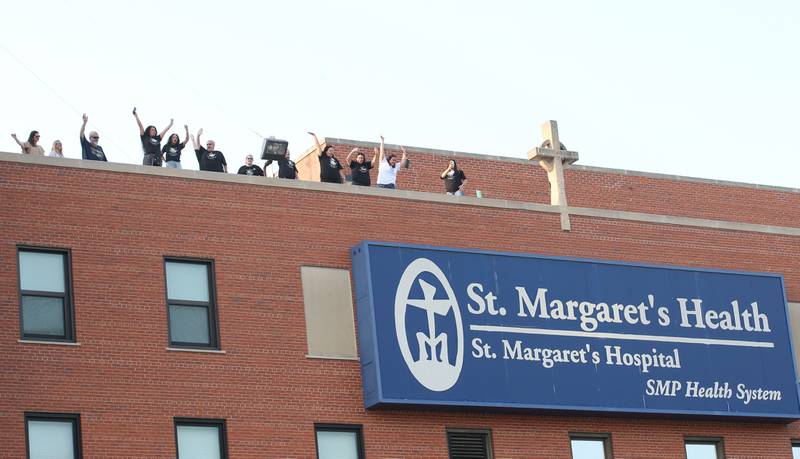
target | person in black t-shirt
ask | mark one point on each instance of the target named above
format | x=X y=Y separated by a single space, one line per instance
x=286 y=167
x=172 y=150
x=360 y=167
x=249 y=168
x=209 y=159
x=454 y=179
x=151 y=141
x=329 y=166
x=90 y=150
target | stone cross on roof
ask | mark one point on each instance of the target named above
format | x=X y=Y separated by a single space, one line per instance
x=552 y=156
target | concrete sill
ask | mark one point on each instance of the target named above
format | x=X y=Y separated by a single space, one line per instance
x=55 y=343
x=330 y=357
x=201 y=351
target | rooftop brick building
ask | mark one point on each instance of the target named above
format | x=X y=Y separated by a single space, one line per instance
x=206 y=311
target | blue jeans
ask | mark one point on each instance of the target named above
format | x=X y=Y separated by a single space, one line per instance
x=457 y=193
x=174 y=165
x=386 y=185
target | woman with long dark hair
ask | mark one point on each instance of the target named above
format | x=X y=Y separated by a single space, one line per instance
x=31 y=146
x=172 y=150
x=151 y=141
x=454 y=179
x=329 y=166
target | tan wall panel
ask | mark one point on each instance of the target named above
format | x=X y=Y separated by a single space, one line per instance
x=328 y=300
x=794 y=327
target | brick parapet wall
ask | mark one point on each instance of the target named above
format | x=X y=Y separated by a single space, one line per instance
x=522 y=180
x=128 y=387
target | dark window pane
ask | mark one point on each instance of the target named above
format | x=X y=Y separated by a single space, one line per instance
x=43 y=316
x=188 y=324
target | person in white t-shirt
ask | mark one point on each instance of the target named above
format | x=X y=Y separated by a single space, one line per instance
x=58 y=150
x=388 y=166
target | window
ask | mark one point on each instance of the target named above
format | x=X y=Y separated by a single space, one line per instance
x=796 y=450
x=469 y=444
x=339 y=441
x=200 y=438
x=192 y=314
x=53 y=436
x=704 y=448
x=590 y=446
x=45 y=299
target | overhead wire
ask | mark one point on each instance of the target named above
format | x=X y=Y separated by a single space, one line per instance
x=64 y=100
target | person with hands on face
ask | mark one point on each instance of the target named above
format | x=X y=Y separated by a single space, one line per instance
x=360 y=167
x=30 y=146
x=286 y=167
x=249 y=168
x=329 y=166
x=171 y=153
x=90 y=150
x=209 y=159
x=389 y=166
x=454 y=179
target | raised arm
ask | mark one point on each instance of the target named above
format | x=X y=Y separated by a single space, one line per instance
x=14 y=136
x=83 y=126
x=199 y=144
x=350 y=155
x=138 y=121
x=380 y=154
x=374 y=156
x=166 y=129
x=316 y=143
x=404 y=158
x=186 y=139
x=449 y=168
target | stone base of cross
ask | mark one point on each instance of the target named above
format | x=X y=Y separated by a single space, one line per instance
x=552 y=156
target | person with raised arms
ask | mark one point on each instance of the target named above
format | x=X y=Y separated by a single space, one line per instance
x=151 y=141
x=360 y=167
x=286 y=167
x=208 y=158
x=30 y=146
x=90 y=150
x=389 y=166
x=172 y=150
x=329 y=166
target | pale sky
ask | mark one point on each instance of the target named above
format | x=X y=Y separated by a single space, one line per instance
x=702 y=88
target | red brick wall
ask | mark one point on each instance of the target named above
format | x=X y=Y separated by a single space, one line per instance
x=128 y=388
x=682 y=198
x=593 y=188
x=500 y=180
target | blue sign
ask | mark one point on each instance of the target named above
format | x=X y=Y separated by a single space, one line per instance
x=448 y=327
